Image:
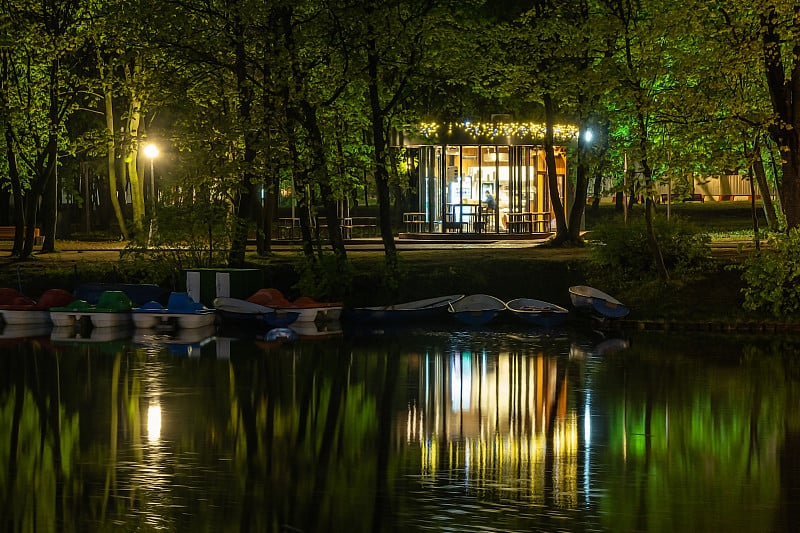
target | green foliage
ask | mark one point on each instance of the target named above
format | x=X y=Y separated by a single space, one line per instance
x=182 y=237
x=772 y=276
x=624 y=258
x=328 y=277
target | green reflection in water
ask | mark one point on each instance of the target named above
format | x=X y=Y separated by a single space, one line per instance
x=695 y=434
x=462 y=431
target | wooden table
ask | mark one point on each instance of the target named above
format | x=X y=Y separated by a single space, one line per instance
x=541 y=221
x=414 y=221
x=461 y=216
x=520 y=222
x=287 y=227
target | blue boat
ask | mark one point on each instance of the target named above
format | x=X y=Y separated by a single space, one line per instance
x=596 y=303
x=241 y=312
x=477 y=309
x=180 y=311
x=538 y=312
x=417 y=310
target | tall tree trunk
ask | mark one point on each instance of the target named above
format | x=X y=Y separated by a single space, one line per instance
x=379 y=158
x=581 y=186
x=45 y=167
x=50 y=207
x=552 y=176
x=244 y=193
x=763 y=185
x=652 y=241
x=322 y=179
x=50 y=184
x=785 y=96
x=111 y=146
x=16 y=189
x=131 y=163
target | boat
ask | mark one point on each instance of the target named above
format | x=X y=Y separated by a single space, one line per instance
x=138 y=293
x=597 y=303
x=404 y=312
x=113 y=309
x=476 y=309
x=181 y=311
x=538 y=312
x=24 y=310
x=8 y=295
x=243 y=312
x=307 y=309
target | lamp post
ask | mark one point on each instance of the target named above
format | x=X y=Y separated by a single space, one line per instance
x=151 y=152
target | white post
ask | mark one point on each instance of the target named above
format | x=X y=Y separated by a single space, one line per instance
x=625 y=188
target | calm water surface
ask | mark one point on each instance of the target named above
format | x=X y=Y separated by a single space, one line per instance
x=507 y=429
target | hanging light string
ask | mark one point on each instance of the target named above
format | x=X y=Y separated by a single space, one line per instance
x=491 y=130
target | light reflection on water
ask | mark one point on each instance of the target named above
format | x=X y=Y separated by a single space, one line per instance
x=469 y=430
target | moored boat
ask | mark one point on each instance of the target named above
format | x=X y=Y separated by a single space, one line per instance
x=180 y=311
x=113 y=309
x=596 y=302
x=477 y=309
x=538 y=312
x=243 y=312
x=307 y=309
x=138 y=293
x=416 y=310
x=8 y=295
x=23 y=310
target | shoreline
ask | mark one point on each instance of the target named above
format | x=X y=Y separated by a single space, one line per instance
x=710 y=304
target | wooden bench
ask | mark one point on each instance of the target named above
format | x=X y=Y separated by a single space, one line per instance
x=7 y=234
x=361 y=226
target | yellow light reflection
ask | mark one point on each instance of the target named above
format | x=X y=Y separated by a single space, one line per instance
x=500 y=436
x=154 y=422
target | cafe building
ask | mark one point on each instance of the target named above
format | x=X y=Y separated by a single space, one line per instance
x=484 y=178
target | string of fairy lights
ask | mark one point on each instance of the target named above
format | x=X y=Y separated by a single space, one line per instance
x=492 y=130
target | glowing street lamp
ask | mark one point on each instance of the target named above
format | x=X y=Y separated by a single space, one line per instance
x=151 y=152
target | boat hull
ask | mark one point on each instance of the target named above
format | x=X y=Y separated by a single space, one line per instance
x=235 y=311
x=538 y=312
x=313 y=314
x=477 y=309
x=110 y=320
x=415 y=311
x=26 y=317
x=596 y=302
x=475 y=318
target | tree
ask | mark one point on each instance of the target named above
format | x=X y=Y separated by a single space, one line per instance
x=40 y=93
x=394 y=37
x=780 y=40
x=641 y=75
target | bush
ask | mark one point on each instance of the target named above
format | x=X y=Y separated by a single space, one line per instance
x=181 y=238
x=623 y=255
x=772 y=276
x=327 y=278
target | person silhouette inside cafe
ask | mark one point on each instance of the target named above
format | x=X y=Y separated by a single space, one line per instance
x=489 y=201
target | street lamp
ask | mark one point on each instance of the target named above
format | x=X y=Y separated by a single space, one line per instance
x=151 y=152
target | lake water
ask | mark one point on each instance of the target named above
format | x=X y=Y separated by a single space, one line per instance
x=503 y=429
